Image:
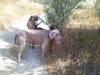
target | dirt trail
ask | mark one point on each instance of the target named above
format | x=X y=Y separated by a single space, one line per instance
x=14 y=19
x=31 y=65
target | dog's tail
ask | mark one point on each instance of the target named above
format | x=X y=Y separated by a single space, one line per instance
x=15 y=39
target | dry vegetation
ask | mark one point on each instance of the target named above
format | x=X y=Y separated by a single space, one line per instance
x=84 y=18
x=80 y=52
x=11 y=10
x=79 y=55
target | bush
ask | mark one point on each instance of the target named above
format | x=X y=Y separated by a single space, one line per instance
x=59 y=11
x=97 y=6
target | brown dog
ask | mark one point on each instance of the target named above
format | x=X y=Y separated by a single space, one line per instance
x=31 y=22
x=40 y=37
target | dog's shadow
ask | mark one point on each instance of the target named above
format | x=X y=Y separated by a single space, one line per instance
x=28 y=54
x=14 y=53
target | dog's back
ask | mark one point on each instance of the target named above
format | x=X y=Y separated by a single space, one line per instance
x=38 y=36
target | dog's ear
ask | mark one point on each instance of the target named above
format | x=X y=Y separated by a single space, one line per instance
x=35 y=18
x=52 y=27
x=51 y=34
x=30 y=18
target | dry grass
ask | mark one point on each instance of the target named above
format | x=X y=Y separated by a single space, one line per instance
x=84 y=17
x=79 y=54
x=11 y=10
x=80 y=48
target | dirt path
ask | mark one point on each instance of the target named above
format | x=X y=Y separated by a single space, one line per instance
x=31 y=65
x=31 y=60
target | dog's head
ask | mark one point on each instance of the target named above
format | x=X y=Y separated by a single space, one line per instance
x=56 y=36
x=34 y=18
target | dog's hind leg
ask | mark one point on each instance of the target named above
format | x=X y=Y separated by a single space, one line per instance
x=20 y=55
x=32 y=44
